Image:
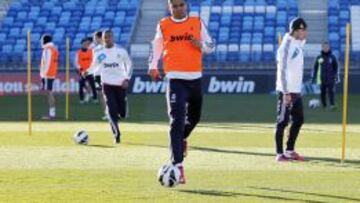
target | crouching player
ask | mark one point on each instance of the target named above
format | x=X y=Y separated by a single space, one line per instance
x=115 y=69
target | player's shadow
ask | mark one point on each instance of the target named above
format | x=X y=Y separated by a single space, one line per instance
x=101 y=146
x=217 y=193
x=311 y=159
x=337 y=197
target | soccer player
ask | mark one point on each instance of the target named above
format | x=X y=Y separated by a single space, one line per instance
x=48 y=72
x=326 y=74
x=97 y=45
x=84 y=58
x=182 y=40
x=115 y=68
x=290 y=68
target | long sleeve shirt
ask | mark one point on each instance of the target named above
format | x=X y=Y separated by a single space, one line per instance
x=114 y=64
x=290 y=65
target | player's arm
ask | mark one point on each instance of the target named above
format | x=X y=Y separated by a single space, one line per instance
x=284 y=68
x=95 y=61
x=207 y=43
x=336 y=69
x=156 y=50
x=45 y=62
x=315 y=70
x=128 y=69
x=76 y=63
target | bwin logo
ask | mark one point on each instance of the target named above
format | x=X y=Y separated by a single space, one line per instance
x=111 y=65
x=186 y=36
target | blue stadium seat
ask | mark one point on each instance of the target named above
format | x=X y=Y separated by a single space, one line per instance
x=256 y=53
x=221 y=52
x=244 y=53
x=2 y=37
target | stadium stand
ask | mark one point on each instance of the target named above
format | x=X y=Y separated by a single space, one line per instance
x=340 y=12
x=355 y=30
x=245 y=31
x=74 y=19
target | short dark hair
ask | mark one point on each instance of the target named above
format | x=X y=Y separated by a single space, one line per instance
x=86 y=39
x=107 y=31
x=297 y=24
x=171 y=1
x=46 y=38
x=98 y=34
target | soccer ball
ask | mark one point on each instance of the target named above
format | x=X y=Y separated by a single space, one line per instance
x=81 y=137
x=314 y=103
x=169 y=175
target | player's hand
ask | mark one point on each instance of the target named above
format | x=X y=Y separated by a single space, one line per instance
x=154 y=74
x=337 y=79
x=287 y=99
x=196 y=43
x=125 y=84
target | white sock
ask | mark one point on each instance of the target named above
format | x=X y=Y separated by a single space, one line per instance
x=52 y=112
x=288 y=153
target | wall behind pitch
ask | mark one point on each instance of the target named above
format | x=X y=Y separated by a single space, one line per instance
x=214 y=82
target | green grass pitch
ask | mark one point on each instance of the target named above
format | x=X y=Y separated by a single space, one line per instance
x=231 y=157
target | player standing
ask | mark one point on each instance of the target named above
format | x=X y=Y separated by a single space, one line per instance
x=182 y=40
x=290 y=68
x=115 y=68
x=84 y=58
x=96 y=46
x=48 y=72
x=326 y=75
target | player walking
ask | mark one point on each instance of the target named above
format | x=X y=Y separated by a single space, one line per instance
x=97 y=45
x=115 y=68
x=84 y=58
x=182 y=40
x=290 y=67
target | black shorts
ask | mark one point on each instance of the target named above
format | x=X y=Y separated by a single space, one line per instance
x=98 y=82
x=47 y=83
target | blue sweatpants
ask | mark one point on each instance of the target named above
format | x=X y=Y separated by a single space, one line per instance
x=184 y=102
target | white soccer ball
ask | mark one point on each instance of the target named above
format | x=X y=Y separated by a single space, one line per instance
x=314 y=103
x=169 y=175
x=81 y=137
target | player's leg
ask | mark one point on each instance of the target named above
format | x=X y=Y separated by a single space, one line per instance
x=282 y=120
x=121 y=99
x=48 y=87
x=101 y=96
x=331 y=92
x=176 y=97
x=297 y=115
x=193 y=110
x=91 y=81
x=323 y=95
x=110 y=94
x=194 y=106
x=123 y=103
x=81 y=89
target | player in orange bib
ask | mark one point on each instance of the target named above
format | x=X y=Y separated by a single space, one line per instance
x=84 y=58
x=181 y=40
x=48 y=72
